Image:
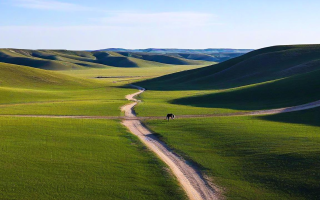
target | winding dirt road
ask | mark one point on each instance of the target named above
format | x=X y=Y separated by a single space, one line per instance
x=190 y=178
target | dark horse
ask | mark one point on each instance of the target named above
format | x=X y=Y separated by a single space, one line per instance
x=170 y=116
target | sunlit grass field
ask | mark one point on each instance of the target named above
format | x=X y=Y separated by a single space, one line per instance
x=78 y=159
x=73 y=158
x=26 y=90
x=30 y=91
x=131 y=73
x=266 y=157
x=85 y=101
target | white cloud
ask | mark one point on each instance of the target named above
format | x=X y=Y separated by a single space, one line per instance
x=164 y=19
x=49 y=5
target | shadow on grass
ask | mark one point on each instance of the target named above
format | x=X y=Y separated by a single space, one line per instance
x=254 y=67
x=286 y=92
x=299 y=172
x=307 y=117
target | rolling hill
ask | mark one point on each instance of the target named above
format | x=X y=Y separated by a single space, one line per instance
x=162 y=58
x=255 y=67
x=76 y=60
x=295 y=90
x=273 y=77
x=27 y=77
x=190 y=51
x=212 y=55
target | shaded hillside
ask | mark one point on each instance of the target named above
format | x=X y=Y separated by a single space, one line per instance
x=43 y=59
x=117 y=61
x=182 y=56
x=69 y=60
x=213 y=57
x=192 y=51
x=290 y=91
x=50 y=63
x=163 y=58
x=27 y=77
x=257 y=66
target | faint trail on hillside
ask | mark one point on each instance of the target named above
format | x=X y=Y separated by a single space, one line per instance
x=250 y=113
x=190 y=178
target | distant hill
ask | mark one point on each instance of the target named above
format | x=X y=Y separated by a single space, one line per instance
x=70 y=60
x=165 y=51
x=212 y=55
x=162 y=58
x=254 y=67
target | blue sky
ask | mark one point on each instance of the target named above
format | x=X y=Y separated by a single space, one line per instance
x=98 y=24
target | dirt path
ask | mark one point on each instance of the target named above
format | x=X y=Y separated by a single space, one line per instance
x=133 y=117
x=190 y=178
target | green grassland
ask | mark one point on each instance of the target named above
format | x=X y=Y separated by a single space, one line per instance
x=26 y=90
x=266 y=157
x=78 y=159
x=262 y=157
x=70 y=158
x=128 y=75
x=273 y=77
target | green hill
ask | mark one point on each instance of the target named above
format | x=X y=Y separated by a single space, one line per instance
x=290 y=91
x=212 y=57
x=178 y=51
x=70 y=60
x=26 y=77
x=173 y=59
x=257 y=66
x=268 y=78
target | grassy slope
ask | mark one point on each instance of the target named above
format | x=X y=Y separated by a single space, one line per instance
x=271 y=157
x=295 y=90
x=26 y=90
x=78 y=159
x=190 y=92
x=62 y=168
x=26 y=77
x=254 y=67
x=27 y=58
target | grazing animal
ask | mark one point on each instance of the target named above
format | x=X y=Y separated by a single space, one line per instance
x=170 y=116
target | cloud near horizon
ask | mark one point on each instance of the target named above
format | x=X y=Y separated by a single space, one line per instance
x=49 y=5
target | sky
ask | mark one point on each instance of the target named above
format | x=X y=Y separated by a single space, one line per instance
x=197 y=24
